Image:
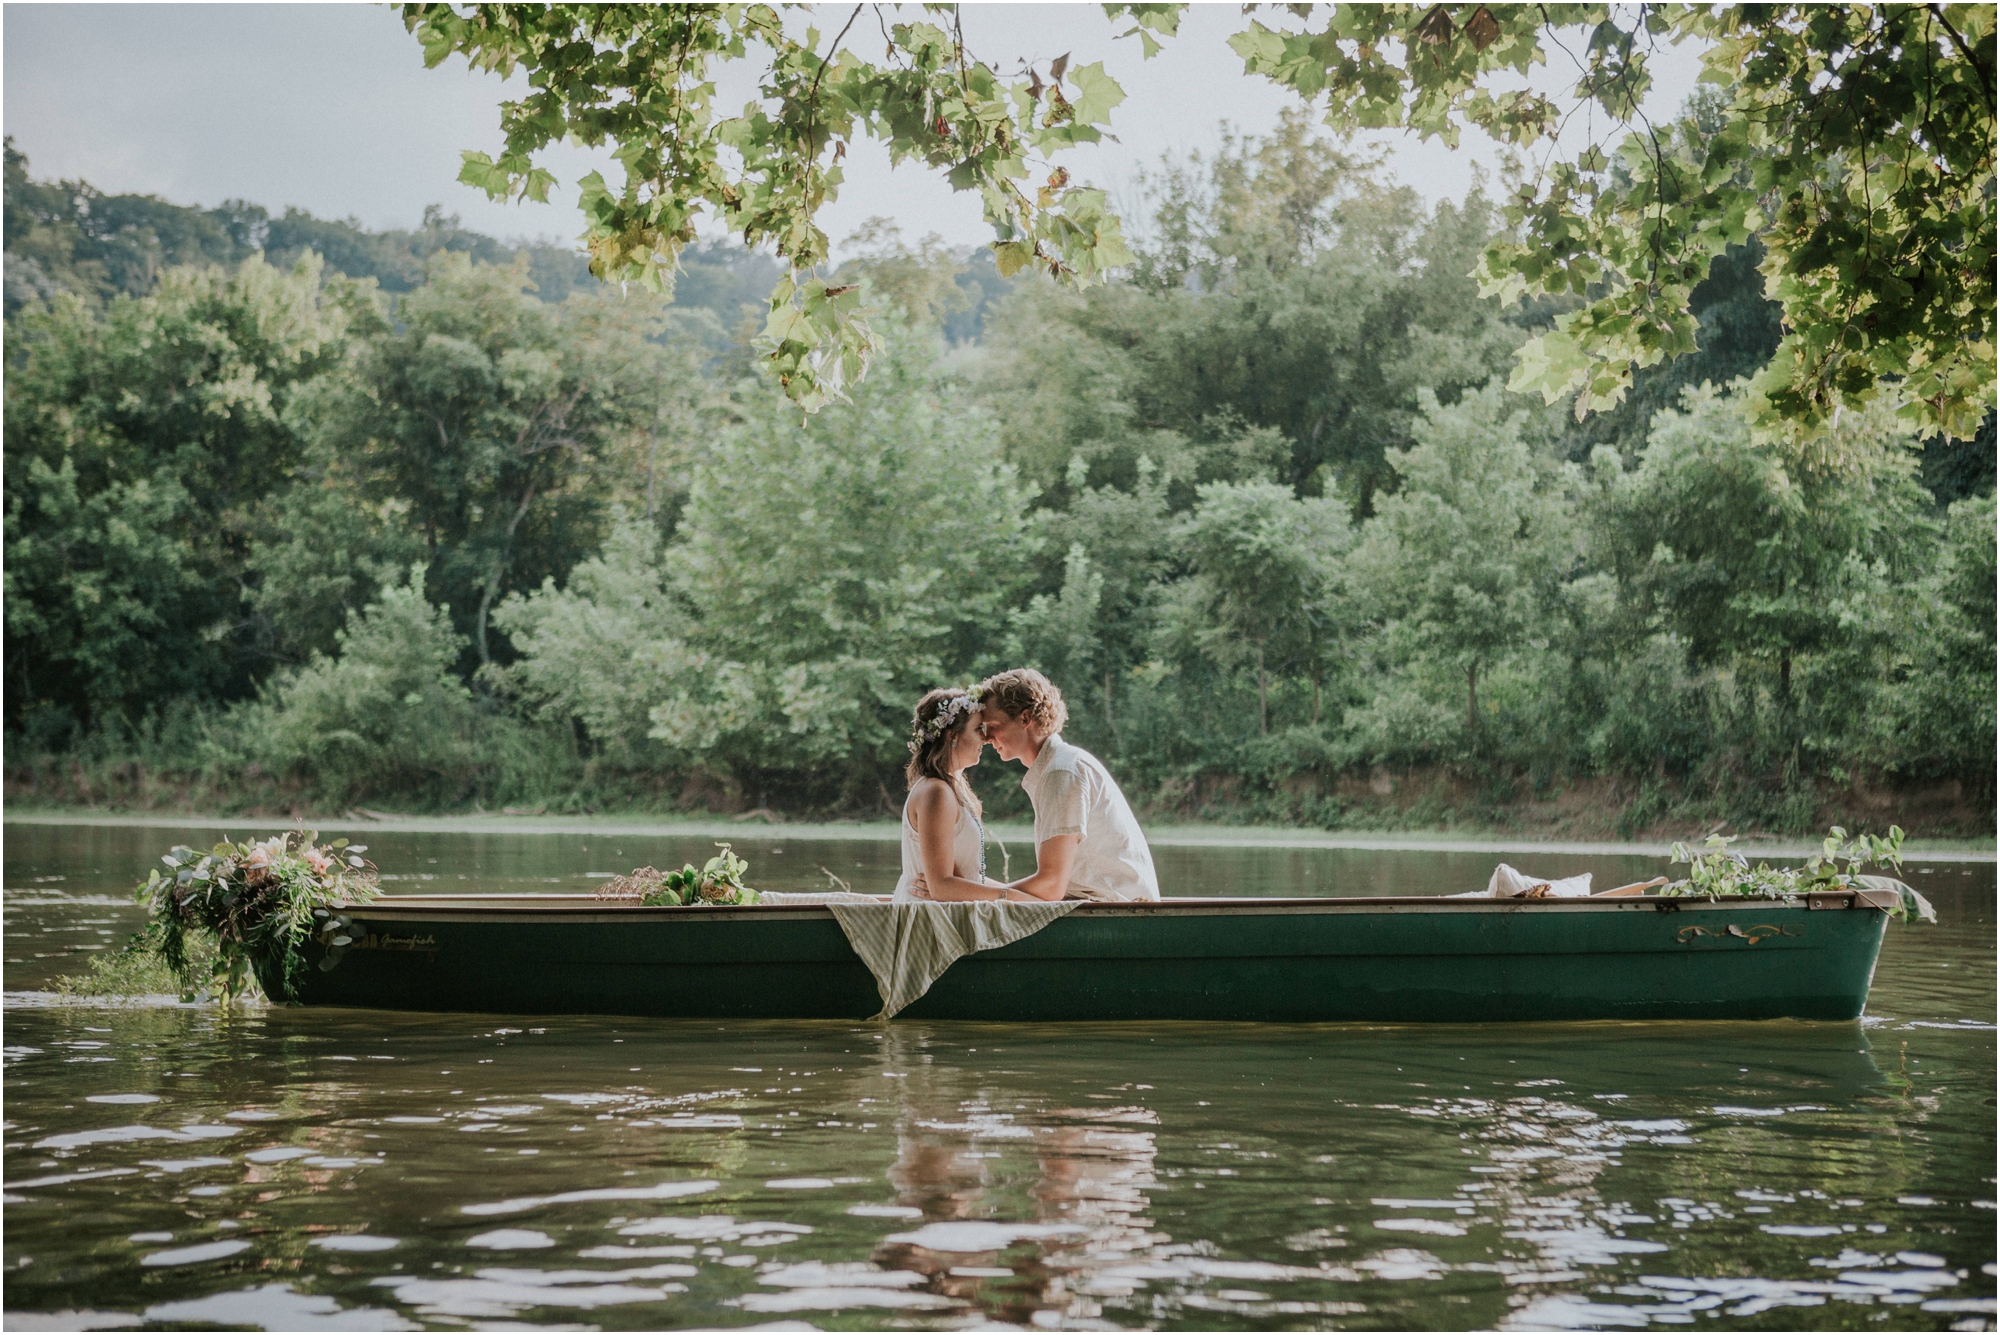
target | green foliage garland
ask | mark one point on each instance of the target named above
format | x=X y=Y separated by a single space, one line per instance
x=1719 y=873
x=259 y=902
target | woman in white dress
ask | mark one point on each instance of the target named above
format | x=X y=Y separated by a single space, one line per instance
x=942 y=835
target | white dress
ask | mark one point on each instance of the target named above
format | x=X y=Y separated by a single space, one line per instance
x=968 y=851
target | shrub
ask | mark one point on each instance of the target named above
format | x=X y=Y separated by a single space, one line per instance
x=388 y=714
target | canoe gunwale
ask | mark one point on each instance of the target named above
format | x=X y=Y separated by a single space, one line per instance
x=583 y=908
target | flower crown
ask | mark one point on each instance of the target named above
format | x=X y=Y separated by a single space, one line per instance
x=945 y=719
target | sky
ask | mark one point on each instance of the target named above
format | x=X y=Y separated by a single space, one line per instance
x=328 y=107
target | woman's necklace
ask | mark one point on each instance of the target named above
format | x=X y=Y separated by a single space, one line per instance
x=979 y=825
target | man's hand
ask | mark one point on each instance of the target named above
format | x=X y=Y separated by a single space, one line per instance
x=920 y=888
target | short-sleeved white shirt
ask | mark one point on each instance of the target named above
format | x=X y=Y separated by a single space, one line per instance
x=1074 y=794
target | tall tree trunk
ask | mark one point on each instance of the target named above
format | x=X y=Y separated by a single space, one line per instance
x=485 y=605
x=1263 y=697
x=1107 y=698
x=499 y=569
x=652 y=465
x=1315 y=699
x=1472 y=696
x=1784 y=665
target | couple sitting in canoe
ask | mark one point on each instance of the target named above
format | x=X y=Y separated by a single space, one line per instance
x=1087 y=845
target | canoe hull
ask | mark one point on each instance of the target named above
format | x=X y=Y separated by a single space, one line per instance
x=1405 y=961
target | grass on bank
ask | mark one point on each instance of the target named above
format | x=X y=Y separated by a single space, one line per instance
x=1017 y=834
x=1419 y=803
x=194 y=760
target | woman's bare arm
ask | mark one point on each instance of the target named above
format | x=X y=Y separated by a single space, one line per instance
x=935 y=811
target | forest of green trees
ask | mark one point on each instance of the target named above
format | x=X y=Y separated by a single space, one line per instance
x=301 y=516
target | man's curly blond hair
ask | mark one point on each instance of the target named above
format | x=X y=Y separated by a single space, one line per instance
x=1024 y=693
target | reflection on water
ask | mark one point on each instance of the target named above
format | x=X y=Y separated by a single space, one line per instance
x=376 y=1170
x=1011 y=1244
x=292 y=1168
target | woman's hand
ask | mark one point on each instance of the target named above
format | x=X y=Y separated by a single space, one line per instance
x=921 y=889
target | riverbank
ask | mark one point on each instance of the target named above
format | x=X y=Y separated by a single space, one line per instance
x=1163 y=835
x=1422 y=804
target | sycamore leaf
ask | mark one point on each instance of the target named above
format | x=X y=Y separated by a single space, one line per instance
x=1435 y=28
x=1552 y=364
x=481 y=173
x=596 y=199
x=1096 y=94
x=1482 y=28
x=788 y=324
x=1010 y=257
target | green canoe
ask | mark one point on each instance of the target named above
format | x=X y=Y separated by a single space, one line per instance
x=1382 y=959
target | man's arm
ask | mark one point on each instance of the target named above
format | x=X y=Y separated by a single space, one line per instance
x=1054 y=857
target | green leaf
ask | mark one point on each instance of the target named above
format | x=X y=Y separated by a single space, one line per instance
x=1010 y=257
x=480 y=172
x=1097 y=94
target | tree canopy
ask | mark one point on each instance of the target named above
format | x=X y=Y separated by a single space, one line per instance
x=1274 y=526
x=1854 y=142
x=638 y=77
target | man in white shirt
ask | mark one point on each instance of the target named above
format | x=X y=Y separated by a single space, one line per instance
x=1087 y=843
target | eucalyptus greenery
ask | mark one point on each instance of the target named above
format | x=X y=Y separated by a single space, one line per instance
x=259 y=903
x=717 y=882
x=1718 y=872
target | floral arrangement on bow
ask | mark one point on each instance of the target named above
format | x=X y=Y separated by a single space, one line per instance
x=946 y=718
x=261 y=902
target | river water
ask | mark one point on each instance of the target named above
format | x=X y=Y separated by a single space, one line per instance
x=171 y=1165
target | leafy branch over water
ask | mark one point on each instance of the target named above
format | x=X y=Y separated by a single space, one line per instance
x=1853 y=143
x=641 y=77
